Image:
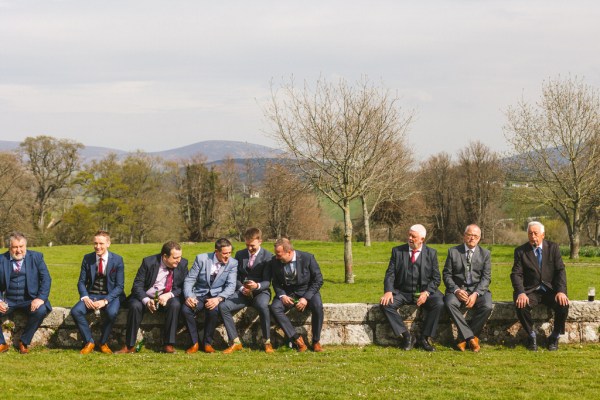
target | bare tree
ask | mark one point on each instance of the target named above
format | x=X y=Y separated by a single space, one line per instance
x=15 y=198
x=339 y=134
x=557 y=149
x=52 y=163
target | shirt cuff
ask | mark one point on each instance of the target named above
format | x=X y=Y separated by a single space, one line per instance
x=258 y=288
x=145 y=300
x=84 y=297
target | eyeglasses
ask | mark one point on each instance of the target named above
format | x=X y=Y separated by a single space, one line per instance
x=472 y=235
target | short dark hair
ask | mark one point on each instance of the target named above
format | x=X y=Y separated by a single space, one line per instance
x=101 y=232
x=168 y=247
x=253 y=234
x=222 y=242
x=284 y=243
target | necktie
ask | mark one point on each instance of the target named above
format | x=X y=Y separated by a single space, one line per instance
x=538 y=253
x=251 y=262
x=18 y=266
x=100 y=267
x=469 y=257
x=169 y=284
x=413 y=257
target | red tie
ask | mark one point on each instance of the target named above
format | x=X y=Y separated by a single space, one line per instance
x=100 y=267
x=413 y=257
x=169 y=284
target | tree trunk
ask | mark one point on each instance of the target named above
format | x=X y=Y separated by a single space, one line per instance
x=366 y=222
x=574 y=244
x=348 y=243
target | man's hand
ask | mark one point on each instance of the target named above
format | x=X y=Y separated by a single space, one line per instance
x=98 y=304
x=462 y=295
x=387 y=298
x=36 y=303
x=164 y=298
x=251 y=285
x=89 y=303
x=287 y=300
x=212 y=303
x=522 y=301
x=191 y=302
x=246 y=292
x=471 y=300
x=3 y=307
x=301 y=305
x=151 y=306
x=562 y=299
x=422 y=298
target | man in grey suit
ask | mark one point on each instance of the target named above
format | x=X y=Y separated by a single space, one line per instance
x=538 y=276
x=210 y=282
x=467 y=275
x=413 y=277
x=253 y=289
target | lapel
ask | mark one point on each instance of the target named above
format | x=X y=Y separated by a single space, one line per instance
x=530 y=254
x=463 y=259
x=155 y=268
x=406 y=258
x=209 y=264
x=6 y=262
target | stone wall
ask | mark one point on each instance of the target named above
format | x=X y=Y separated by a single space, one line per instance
x=345 y=324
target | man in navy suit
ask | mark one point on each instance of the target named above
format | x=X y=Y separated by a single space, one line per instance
x=297 y=280
x=210 y=282
x=413 y=277
x=253 y=289
x=467 y=275
x=25 y=285
x=538 y=276
x=101 y=284
x=157 y=287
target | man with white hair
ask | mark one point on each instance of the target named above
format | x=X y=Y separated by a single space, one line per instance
x=413 y=277
x=538 y=276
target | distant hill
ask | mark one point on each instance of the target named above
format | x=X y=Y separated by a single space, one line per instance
x=211 y=150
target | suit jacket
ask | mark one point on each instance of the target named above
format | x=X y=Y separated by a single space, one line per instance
x=397 y=269
x=197 y=281
x=455 y=268
x=260 y=272
x=114 y=271
x=147 y=273
x=526 y=276
x=38 y=277
x=308 y=274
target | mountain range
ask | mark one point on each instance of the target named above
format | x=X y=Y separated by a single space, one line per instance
x=211 y=150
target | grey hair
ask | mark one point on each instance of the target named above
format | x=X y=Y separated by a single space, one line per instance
x=536 y=223
x=420 y=229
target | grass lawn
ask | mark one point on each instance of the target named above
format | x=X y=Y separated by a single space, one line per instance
x=341 y=372
x=369 y=267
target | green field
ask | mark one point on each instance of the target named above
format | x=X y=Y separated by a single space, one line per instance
x=370 y=372
x=369 y=267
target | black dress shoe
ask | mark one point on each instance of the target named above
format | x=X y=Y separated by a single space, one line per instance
x=409 y=342
x=552 y=344
x=425 y=345
x=532 y=344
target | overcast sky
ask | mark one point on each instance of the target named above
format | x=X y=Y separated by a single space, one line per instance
x=155 y=75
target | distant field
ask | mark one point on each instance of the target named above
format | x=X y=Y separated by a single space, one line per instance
x=369 y=267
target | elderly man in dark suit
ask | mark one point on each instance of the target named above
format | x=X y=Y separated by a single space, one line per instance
x=25 y=285
x=253 y=289
x=538 y=276
x=157 y=286
x=297 y=280
x=101 y=283
x=467 y=275
x=210 y=282
x=413 y=277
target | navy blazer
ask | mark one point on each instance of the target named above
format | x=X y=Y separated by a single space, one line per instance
x=261 y=269
x=114 y=270
x=525 y=275
x=38 y=277
x=396 y=272
x=147 y=273
x=197 y=282
x=454 y=273
x=309 y=276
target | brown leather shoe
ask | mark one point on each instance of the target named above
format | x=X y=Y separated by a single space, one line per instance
x=22 y=348
x=462 y=346
x=105 y=349
x=88 y=348
x=232 y=348
x=3 y=348
x=317 y=348
x=269 y=348
x=474 y=344
x=208 y=348
x=126 y=350
x=193 y=349
x=301 y=346
x=169 y=349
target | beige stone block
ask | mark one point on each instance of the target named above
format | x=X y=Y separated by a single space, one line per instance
x=346 y=312
x=358 y=335
x=331 y=334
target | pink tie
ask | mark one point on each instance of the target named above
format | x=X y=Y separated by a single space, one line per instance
x=251 y=262
x=413 y=257
x=18 y=265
